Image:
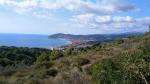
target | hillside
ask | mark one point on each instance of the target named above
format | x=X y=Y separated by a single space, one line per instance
x=94 y=37
x=119 y=62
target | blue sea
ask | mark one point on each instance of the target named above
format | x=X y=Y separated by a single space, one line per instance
x=31 y=41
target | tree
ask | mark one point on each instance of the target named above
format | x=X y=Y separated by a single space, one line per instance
x=68 y=51
x=43 y=57
x=55 y=54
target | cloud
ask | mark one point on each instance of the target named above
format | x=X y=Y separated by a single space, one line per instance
x=88 y=6
x=100 y=6
x=94 y=14
x=19 y=6
x=111 y=23
x=144 y=21
x=107 y=19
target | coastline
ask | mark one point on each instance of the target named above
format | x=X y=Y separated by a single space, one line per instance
x=75 y=43
x=31 y=41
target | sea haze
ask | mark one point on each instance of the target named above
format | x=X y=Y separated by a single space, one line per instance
x=32 y=41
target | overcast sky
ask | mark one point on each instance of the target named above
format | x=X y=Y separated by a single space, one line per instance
x=74 y=16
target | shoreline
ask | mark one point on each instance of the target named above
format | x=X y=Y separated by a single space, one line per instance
x=75 y=44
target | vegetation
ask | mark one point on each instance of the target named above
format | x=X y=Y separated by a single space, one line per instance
x=42 y=58
x=149 y=28
x=94 y=37
x=12 y=56
x=119 y=62
x=68 y=51
x=134 y=36
x=119 y=41
x=55 y=54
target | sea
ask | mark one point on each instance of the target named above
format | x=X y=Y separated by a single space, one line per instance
x=31 y=41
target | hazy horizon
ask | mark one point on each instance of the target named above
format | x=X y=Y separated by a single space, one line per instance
x=73 y=34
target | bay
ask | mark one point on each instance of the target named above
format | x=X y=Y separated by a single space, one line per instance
x=31 y=41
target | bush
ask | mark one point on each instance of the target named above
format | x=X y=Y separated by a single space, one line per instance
x=119 y=41
x=82 y=61
x=33 y=81
x=40 y=73
x=44 y=64
x=52 y=72
x=55 y=54
x=15 y=55
x=105 y=73
x=44 y=73
x=8 y=71
x=5 y=62
x=98 y=45
x=134 y=36
x=2 y=82
x=68 y=51
x=43 y=57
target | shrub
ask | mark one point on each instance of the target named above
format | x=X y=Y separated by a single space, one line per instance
x=44 y=64
x=2 y=82
x=52 y=72
x=55 y=54
x=82 y=61
x=68 y=51
x=98 y=45
x=8 y=71
x=134 y=36
x=105 y=73
x=5 y=62
x=44 y=73
x=43 y=57
x=33 y=81
x=119 y=41
x=40 y=73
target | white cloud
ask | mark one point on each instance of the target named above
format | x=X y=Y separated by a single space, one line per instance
x=95 y=15
x=94 y=18
x=144 y=21
x=111 y=23
x=100 y=6
x=126 y=19
x=19 y=6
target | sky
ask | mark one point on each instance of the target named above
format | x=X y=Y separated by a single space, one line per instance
x=74 y=16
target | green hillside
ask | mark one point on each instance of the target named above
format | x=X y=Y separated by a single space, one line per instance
x=120 y=62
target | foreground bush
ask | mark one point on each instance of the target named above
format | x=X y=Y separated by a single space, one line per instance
x=55 y=54
x=43 y=57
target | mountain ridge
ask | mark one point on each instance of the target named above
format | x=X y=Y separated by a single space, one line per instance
x=92 y=37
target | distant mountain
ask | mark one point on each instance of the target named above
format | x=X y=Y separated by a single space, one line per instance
x=93 y=37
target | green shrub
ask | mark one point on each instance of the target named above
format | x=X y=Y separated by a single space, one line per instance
x=105 y=73
x=5 y=62
x=119 y=41
x=45 y=64
x=55 y=54
x=44 y=73
x=68 y=51
x=8 y=71
x=40 y=73
x=134 y=36
x=128 y=68
x=43 y=57
x=98 y=45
